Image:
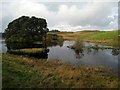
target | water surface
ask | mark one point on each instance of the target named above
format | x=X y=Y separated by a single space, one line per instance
x=89 y=57
x=3 y=47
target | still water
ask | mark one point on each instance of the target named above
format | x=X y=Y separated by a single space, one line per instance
x=89 y=57
x=3 y=47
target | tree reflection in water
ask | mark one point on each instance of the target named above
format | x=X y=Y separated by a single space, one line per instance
x=96 y=49
x=79 y=53
x=57 y=43
x=79 y=49
x=89 y=50
x=115 y=51
x=14 y=48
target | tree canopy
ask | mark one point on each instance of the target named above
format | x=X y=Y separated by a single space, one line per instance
x=54 y=31
x=26 y=30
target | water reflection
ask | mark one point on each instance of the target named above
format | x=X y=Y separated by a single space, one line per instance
x=79 y=53
x=80 y=56
x=60 y=43
x=38 y=54
x=89 y=50
x=115 y=51
x=92 y=49
x=10 y=47
x=14 y=45
x=80 y=47
x=95 y=51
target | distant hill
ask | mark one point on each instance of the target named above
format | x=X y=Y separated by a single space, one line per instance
x=54 y=31
x=89 y=31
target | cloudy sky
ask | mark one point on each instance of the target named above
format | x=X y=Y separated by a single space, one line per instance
x=64 y=16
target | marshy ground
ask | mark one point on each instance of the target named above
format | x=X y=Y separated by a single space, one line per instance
x=27 y=72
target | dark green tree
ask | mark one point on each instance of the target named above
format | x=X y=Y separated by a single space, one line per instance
x=25 y=30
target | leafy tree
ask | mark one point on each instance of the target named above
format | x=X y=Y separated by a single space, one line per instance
x=54 y=31
x=26 y=30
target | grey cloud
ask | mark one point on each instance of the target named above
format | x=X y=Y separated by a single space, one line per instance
x=64 y=15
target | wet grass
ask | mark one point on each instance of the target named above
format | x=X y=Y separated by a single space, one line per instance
x=21 y=72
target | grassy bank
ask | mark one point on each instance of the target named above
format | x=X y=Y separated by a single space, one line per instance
x=20 y=71
x=30 y=52
x=106 y=37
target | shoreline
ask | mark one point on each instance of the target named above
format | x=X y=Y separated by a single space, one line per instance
x=25 y=69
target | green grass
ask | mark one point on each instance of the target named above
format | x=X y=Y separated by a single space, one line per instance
x=105 y=37
x=30 y=50
x=21 y=72
x=16 y=75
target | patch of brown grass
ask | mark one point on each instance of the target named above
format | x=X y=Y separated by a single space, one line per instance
x=59 y=74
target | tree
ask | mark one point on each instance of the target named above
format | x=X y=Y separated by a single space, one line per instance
x=54 y=31
x=26 y=30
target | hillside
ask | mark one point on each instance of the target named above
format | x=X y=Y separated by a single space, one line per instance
x=106 y=37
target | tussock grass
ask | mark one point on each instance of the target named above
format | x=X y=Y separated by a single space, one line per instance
x=20 y=71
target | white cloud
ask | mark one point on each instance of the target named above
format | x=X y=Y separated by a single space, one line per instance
x=91 y=15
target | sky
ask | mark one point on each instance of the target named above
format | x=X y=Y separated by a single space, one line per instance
x=62 y=15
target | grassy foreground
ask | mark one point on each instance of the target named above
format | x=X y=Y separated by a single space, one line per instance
x=106 y=37
x=25 y=72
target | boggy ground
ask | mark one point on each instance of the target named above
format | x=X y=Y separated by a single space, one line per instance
x=20 y=71
x=27 y=72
